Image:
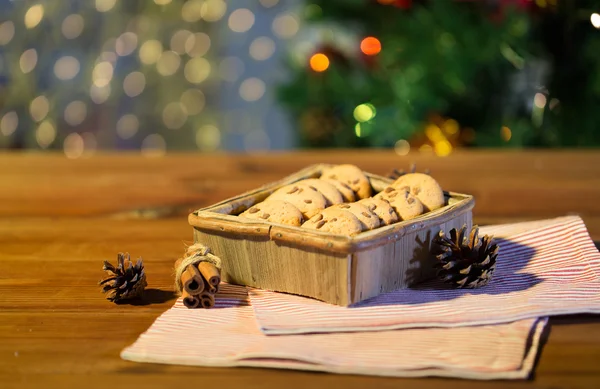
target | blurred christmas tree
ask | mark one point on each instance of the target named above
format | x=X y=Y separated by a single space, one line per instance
x=440 y=74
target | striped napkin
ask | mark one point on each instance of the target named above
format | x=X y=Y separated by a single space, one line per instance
x=544 y=268
x=228 y=336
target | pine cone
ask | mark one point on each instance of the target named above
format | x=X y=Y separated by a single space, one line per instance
x=129 y=280
x=395 y=174
x=465 y=262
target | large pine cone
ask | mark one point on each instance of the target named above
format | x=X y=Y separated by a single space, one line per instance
x=465 y=262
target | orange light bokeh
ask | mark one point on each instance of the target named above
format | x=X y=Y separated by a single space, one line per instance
x=370 y=46
x=319 y=62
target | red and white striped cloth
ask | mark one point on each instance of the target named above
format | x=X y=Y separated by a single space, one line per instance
x=547 y=268
x=228 y=336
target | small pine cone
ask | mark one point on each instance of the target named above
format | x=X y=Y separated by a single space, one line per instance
x=125 y=281
x=465 y=262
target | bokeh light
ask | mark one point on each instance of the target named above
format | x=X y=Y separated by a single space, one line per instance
x=364 y=112
x=595 y=20
x=127 y=126
x=134 y=84
x=231 y=69
x=197 y=44
x=252 y=89
x=268 y=3
x=126 y=43
x=505 y=133
x=105 y=5
x=39 y=108
x=45 y=134
x=168 y=63
x=72 y=26
x=34 y=16
x=150 y=51
x=28 y=60
x=193 y=100
x=162 y=2
x=99 y=94
x=75 y=112
x=539 y=100
x=196 y=70
x=179 y=39
x=442 y=148
x=9 y=123
x=262 y=48
x=174 y=115
x=241 y=20
x=319 y=62
x=73 y=146
x=370 y=46
x=154 y=145
x=102 y=74
x=286 y=25
x=208 y=138
x=213 y=10
x=66 y=68
x=7 y=32
x=451 y=126
x=402 y=147
x=191 y=11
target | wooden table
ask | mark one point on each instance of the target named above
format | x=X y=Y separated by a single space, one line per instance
x=60 y=218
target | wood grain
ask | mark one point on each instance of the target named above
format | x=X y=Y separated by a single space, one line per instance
x=60 y=218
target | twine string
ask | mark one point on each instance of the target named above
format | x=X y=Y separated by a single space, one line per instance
x=194 y=254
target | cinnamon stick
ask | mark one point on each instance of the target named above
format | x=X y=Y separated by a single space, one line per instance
x=192 y=281
x=207 y=300
x=191 y=301
x=210 y=273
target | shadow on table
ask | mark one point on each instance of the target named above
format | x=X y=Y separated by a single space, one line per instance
x=151 y=296
x=508 y=278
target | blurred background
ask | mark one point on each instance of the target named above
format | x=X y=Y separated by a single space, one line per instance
x=155 y=76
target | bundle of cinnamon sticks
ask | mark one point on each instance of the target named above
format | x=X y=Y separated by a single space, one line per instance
x=200 y=284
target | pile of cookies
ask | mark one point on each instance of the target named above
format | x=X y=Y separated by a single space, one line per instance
x=342 y=201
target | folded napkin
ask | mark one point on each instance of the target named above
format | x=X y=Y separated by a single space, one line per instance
x=544 y=268
x=227 y=335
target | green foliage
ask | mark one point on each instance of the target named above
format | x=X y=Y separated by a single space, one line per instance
x=458 y=60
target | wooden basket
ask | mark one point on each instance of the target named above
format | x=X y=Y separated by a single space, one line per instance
x=337 y=269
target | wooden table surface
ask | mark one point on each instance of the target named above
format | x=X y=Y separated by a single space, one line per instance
x=60 y=218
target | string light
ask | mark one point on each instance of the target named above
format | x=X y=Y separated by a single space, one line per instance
x=134 y=84
x=66 y=68
x=126 y=44
x=105 y=5
x=99 y=94
x=595 y=19
x=197 y=44
x=213 y=10
x=191 y=11
x=252 y=89
x=154 y=145
x=262 y=48
x=402 y=147
x=364 y=112
x=168 y=63
x=319 y=62
x=241 y=20
x=28 y=60
x=208 y=138
x=451 y=126
x=72 y=26
x=45 y=134
x=102 y=74
x=196 y=70
x=73 y=146
x=150 y=51
x=370 y=46
x=358 y=130
x=174 y=115
x=442 y=148
x=9 y=123
x=39 y=108
x=179 y=40
x=75 y=113
x=34 y=16
x=127 y=126
x=539 y=100
x=505 y=133
x=7 y=32
x=285 y=25
x=193 y=100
